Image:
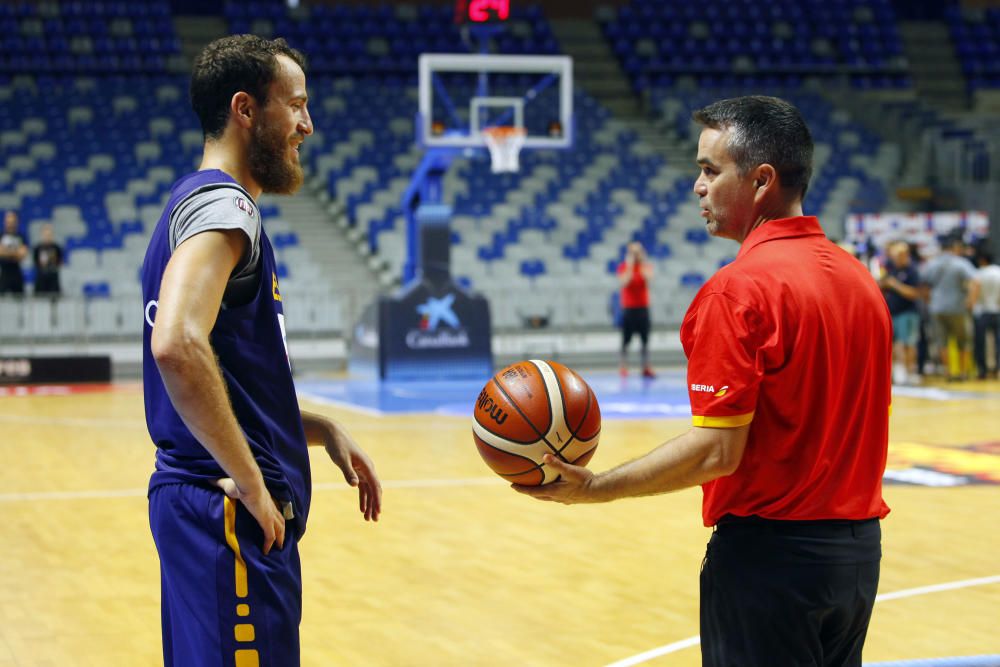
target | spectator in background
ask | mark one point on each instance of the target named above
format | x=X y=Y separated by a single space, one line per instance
x=954 y=290
x=901 y=286
x=634 y=274
x=987 y=312
x=48 y=257
x=12 y=252
x=923 y=336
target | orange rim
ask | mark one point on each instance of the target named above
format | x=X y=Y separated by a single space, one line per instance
x=504 y=131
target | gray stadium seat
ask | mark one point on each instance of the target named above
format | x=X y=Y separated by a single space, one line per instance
x=11 y=323
x=39 y=318
x=69 y=319
x=104 y=317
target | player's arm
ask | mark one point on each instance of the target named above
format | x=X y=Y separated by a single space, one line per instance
x=188 y=304
x=901 y=288
x=698 y=456
x=625 y=274
x=972 y=295
x=347 y=455
x=17 y=252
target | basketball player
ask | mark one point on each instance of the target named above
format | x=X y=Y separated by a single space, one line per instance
x=230 y=494
x=790 y=353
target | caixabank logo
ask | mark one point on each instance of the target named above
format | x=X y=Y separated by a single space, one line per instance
x=438 y=327
x=941 y=465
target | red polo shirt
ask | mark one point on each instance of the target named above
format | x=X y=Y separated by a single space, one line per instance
x=793 y=338
x=635 y=292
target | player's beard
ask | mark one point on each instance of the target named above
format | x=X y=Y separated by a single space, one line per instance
x=270 y=164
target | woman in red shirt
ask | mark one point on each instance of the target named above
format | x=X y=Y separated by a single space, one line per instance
x=634 y=275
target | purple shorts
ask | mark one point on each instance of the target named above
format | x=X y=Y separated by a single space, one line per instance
x=223 y=601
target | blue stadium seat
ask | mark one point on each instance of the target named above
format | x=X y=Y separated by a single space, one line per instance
x=97 y=290
x=532 y=268
x=285 y=240
x=692 y=279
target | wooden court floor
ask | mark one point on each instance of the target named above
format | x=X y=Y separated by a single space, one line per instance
x=462 y=570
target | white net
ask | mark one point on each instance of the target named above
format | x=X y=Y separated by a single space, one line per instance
x=505 y=145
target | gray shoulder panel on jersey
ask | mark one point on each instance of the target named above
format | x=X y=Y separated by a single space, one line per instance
x=218 y=206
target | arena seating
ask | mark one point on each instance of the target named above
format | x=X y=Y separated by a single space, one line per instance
x=379 y=40
x=84 y=37
x=542 y=242
x=98 y=168
x=744 y=43
x=976 y=35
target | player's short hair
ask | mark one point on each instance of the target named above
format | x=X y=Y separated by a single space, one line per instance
x=232 y=64
x=764 y=130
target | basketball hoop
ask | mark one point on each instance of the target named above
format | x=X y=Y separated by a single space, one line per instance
x=505 y=144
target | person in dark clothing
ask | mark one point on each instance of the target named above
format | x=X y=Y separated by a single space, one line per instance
x=48 y=256
x=12 y=253
x=901 y=287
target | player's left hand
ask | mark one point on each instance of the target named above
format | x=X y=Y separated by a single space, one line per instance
x=572 y=487
x=358 y=470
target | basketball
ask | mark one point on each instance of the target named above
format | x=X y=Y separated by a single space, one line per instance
x=530 y=408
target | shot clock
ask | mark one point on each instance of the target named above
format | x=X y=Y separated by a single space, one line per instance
x=482 y=11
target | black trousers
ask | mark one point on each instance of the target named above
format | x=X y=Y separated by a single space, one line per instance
x=987 y=322
x=635 y=321
x=47 y=282
x=11 y=280
x=788 y=593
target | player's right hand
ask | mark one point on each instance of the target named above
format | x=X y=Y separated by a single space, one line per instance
x=572 y=487
x=261 y=505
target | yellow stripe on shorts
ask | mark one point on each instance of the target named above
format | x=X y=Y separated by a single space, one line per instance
x=241 y=566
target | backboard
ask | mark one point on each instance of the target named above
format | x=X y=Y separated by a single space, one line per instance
x=461 y=94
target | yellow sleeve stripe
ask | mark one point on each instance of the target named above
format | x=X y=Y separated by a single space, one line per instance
x=722 y=422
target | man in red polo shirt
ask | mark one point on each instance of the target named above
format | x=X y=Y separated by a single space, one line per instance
x=789 y=376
